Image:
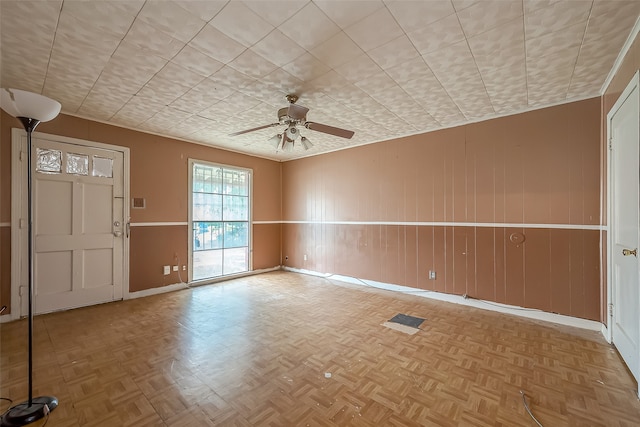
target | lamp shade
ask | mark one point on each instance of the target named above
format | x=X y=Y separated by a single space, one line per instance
x=20 y=103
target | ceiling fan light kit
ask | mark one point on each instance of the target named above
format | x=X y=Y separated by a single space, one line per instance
x=293 y=116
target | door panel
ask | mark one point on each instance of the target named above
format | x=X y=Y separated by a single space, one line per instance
x=78 y=225
x=624 y=128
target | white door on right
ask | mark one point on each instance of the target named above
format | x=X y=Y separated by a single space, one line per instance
x=624 y=123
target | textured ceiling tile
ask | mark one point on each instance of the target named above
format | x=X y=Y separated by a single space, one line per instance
x=252 y=64
x=163 y=90
x=499 y=47
x=38 y=30
x=309 y=27
x=111 y=17
x=395 y=52
x=568 y=38
x=415 y=15
x=202 y=96
x=241 y=23
x=171 y=19
x=617 y=7
x=375 y=30
x=205 y=10
x=337 y=50
x=463 y=4
x=138 y=110
x=275 y=12
x=306 y=67
x=232 y=78
x=103 y=102
x=216 y=44
x=484 y=16
x=376 y=83
x=278 y=48
x=553 y=61
x=606 y=24
x=196 y=61
x=437 y=35
x=556 y=17
x=329 y=82
x=166 y=118
x=506 y=87
x=135 y=63
x=283 y=81
x=352 y=97
x=533 y=5
x=395 y=99
x=178 y=74
x=266 y=94
x=410 y=70
x=347 y=12
x=358 y=68
x=150 y=39
x=452 y=64
x=84 y=35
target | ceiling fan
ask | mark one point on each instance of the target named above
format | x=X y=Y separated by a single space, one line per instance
x=293 y=116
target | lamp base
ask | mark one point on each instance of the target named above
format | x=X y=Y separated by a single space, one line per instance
x=23 y=414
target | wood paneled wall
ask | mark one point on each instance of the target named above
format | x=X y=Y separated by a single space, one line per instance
x=451 y=200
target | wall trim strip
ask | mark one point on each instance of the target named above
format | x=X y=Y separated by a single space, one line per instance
x=5 y=224
x=266 y=222
x=534 y=314
x=459 y=224
x=623 y=52
x=157 y=224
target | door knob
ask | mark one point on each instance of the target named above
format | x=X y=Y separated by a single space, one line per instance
x=117 y=233
x=627 y=252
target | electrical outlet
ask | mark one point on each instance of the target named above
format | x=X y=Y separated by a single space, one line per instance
x=304 y=257
x=167 y=269
x=184 y=268
x=175 y=268
x=432 y=275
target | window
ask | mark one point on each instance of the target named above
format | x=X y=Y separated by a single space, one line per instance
x=220 y=206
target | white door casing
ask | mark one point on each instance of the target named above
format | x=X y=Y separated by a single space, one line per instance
x=79 y=223
x=624 y=291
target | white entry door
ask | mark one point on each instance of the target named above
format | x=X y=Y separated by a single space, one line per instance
x=624 y=127
x=79 y=225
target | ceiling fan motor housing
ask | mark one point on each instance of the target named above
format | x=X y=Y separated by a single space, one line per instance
x=292 y=132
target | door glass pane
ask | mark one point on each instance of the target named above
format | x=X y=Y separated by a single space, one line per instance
x=102 y=167
x=49 y=161
x=77 y=164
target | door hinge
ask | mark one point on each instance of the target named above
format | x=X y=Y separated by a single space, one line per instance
x=610 y=310
x=21 y=156
x=611 y=143
x=22 y=223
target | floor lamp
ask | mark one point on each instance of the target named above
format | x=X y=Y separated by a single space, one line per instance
x=31 y=109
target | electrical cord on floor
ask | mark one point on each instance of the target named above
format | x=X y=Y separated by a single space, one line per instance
x=179 y=275
x=526 y=406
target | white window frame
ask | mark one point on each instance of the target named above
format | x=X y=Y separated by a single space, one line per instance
x=249 y=171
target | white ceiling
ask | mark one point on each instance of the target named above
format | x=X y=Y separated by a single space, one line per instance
x=199 y=70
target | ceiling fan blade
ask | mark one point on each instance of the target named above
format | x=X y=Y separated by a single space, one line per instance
x=297 y=112
x=343 y=133
x=253 y=129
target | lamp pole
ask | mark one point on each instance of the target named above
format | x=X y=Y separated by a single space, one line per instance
x=26 y=106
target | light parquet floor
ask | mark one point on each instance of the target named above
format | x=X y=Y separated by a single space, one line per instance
x=254 y=351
